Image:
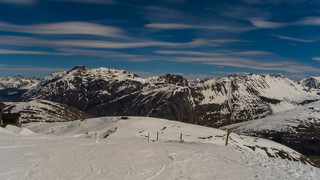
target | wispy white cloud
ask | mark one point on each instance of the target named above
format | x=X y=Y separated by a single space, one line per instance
x=260 y=23
x=169 y=26
x=252 y=53
x=291 y=2
x=307 y=21
x=19 y=2
x=242 y=11
x=99 y=53
x=316 y=58
x=72 y=52
x=8 y=51
x=89 y=1
x=83 y=28
x=156 y=14
x=262 y=1
x=195 y=53
x=177 y=26
x=293 y=39
x=275 y=67
x=198 y=53
x=165 y=18
x=32 y=2
x=237 y=62
x=30 y=68
x=36 y=42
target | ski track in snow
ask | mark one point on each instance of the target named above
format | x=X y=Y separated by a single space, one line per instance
x=125 y=154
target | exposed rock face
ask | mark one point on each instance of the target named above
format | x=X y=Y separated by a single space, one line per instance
x=312 y=82
x=12 y=88
x=214 y=102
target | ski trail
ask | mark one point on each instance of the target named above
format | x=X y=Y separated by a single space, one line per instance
x=157 y=173
x=9 y=147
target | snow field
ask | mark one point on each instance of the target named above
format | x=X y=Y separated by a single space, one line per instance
x=70 y=150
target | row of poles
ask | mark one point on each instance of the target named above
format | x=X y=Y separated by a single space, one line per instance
x=157 y=139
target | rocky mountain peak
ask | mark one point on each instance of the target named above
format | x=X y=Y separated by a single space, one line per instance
x=81 y=67
x=280 y=75
x=79 y=70
x=311 y=82
x=240 y=75
x=174 y=79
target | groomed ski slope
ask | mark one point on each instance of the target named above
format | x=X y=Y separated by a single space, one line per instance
x=77 y=150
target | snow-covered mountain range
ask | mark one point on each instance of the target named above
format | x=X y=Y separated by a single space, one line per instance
x=11 y=88
x=213 y=102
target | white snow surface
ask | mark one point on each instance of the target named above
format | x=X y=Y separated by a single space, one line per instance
x=69 y=150
x=282 y=121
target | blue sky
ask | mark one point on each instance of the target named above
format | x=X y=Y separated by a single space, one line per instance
x=194 y=38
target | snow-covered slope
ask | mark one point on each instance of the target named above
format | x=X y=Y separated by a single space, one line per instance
x=46 y=111
x=11 y=88
x=169 y=131
x=298 y=128
x=214 y=102
x=69 y=150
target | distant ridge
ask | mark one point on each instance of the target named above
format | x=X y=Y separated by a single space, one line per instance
x=12 y=88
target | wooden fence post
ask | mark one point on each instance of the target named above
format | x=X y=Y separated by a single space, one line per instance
x=95 y=135
x=148 y=137
x=228 y=133
x=157 y=136
x=180 y=136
